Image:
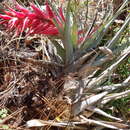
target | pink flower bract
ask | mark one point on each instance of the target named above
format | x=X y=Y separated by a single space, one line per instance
x=36 y=21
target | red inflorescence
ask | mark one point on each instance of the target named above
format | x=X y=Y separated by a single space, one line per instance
x=36 y=21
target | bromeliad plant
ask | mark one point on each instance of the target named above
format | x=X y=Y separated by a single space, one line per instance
x=87 y=61
x=46 y=22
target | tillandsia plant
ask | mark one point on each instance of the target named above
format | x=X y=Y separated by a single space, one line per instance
x=87 y=61
x=46 y=22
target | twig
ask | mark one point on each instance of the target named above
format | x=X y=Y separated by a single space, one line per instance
x=112 y=87
x=99 y=111
x=106 y=73
x=115 y=96
x=98 y=123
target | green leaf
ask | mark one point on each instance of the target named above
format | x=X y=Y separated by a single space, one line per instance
x=3 y=113
x=74 y=33
x=67 y=36
x=95 y=40
x=5 y=127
